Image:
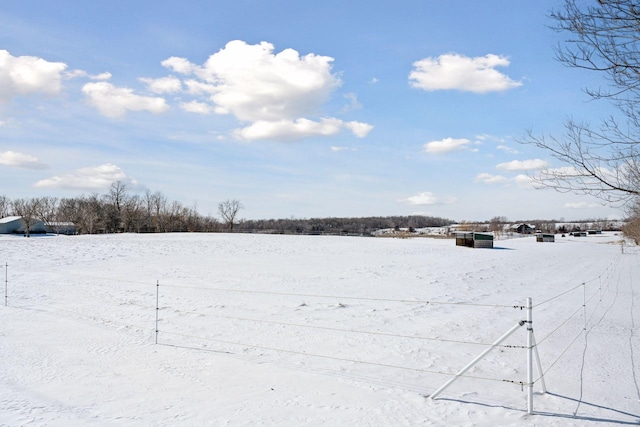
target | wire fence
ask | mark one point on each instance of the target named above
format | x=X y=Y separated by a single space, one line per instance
x=350 y=329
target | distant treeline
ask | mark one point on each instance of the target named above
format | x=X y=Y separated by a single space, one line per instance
x=343 y=226
x=118 y=211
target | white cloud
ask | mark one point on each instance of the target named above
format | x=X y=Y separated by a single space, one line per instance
x=101 y=77
x=353 y=104
x=521 y=165
x=196 y=87
x=490 y=179
x=114 y=101
x=457 y=72
x=290 y=130
x=446 y=145
x=91 y=178
x=179 y=65
x=20 y=160
x=526 y=181
x=255 y=84
x=581 y=205
x=337 y=149
x=23 y=75
x=80 y=73
x=507 y=149
x=163 y=85
x=426 y=198
x=273 y=92
x=196 y=107
x=359 y=129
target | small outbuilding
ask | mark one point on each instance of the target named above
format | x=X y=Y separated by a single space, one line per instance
x=474 y=240
x=544 y=237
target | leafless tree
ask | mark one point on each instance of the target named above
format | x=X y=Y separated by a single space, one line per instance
x=46 y=210
x=26 y=208
x=228 y=211
x=157 y=208
x=133 y=214
x=91 y=215
x=497 y=224
x=115 y=200
x=601 y=160
x=5 y=206
x=631 y=229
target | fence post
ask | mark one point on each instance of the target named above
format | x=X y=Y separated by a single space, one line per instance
x=529 y=357
x=157 y=306
x=6 y=283
x=584 y=306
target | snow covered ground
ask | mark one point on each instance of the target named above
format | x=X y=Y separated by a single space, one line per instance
x=312 y=330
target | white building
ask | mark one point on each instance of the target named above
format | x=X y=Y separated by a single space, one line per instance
x=16 y=225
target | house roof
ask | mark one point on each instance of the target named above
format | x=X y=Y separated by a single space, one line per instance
x=8 y=219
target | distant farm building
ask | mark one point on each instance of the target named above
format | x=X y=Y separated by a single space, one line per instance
x=16 y=225
x=524 y=228
x=544 y=237
x=474 y=240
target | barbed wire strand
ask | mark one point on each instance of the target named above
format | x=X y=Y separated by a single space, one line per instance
x=582 y=331
x=250 y=291
x=327 y=328
x=560 y=326
x=50 y=309
x=342 y=359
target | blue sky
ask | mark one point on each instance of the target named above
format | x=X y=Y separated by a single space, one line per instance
x=296 y=108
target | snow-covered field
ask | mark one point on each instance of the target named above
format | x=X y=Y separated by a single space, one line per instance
x=311 y=330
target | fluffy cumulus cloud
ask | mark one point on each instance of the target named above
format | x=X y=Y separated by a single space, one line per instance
x=196 y=107
x=527 y=182
x=457 y=72
x=114 y=101
x=21 y=75
x=289 y=129
x=163 y=85
x=522 y=165
x=275 y=92
x=490 y=179
x=20 y=160
x=446 y=145
x=428 y=198
x=90 y=178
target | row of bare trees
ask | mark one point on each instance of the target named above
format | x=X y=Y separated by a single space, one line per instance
x=363 y=226
x=119 y=211
x=112 y=212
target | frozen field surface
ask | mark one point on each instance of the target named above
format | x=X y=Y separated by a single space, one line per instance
x=271 y=330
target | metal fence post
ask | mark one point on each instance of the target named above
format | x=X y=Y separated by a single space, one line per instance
x=6 y=284
x=157 y=306
x=529 y=357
